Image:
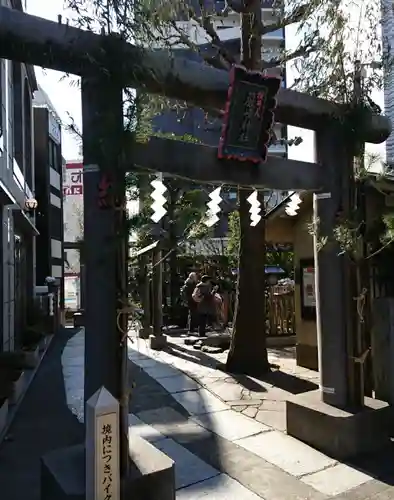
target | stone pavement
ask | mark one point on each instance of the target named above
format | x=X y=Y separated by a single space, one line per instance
x=219 y=451
x=236 y=426
x=42 y=423
x=262 y=400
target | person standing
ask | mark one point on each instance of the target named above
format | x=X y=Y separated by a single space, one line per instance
x=187 y=292
x=203 y=295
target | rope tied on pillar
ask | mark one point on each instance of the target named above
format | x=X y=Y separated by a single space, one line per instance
x=360 y=304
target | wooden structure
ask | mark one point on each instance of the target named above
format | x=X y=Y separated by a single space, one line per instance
x=280 y=312
x=379 y=201
x=107 y=64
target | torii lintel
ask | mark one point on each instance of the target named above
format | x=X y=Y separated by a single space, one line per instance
x=37 y=41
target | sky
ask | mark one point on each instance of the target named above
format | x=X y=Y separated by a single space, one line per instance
x=66 y=98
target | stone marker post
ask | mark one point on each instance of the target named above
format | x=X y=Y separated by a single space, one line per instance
x=102 y=447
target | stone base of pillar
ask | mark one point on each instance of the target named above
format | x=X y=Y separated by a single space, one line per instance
x=339 y=433
x=152 y=473
x=145 y=332
x=157 y=342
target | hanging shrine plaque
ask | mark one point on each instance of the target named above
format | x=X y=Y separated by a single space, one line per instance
x=248 y=116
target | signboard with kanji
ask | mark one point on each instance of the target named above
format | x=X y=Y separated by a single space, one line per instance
x=73 y=180
x=102 y=447
x=107 y=457
x=248 y=116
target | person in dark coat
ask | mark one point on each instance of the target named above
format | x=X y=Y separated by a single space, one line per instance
x=187 y=292
x=204 y=297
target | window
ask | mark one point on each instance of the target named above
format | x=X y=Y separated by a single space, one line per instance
x=17 y=113
x=53 y=156
x=1 y=108
x=28 y=135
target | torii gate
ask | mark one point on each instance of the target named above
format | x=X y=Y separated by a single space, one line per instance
x=107 y=64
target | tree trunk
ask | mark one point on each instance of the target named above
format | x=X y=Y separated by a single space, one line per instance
x=248 y=352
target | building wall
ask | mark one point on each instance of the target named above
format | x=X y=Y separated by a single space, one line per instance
x=388 y=44
x=17 y=83
x=73 y=231
x=49 y=167
x=285 y=229
x=305 y=329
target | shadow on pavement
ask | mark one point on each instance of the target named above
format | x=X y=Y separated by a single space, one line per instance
x=379 y=465
x=288 y=382
x=203 y=359
x=283 y=352
x=43 y=423
x=194 y=356
x=157 y=407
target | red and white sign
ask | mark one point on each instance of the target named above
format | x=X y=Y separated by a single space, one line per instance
x=73 y=180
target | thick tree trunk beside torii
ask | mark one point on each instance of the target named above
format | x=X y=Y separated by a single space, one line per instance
x=248 y=352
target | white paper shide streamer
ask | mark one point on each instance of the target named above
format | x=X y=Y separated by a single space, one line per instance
x=213 y=208
x=159 y=200
x=255 y=209
x=293 y=205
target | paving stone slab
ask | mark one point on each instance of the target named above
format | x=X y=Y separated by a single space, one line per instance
x=250 y=411
x=245 y=402
x=368 y=491
x=221 y=487
x=199 y=402
x=274 y=419
x=171 y=423
x=180 y=383
x=189 y=469
x=144 y=362
x=144 y=430
x=253 y=472
x=337 y=479
x=226 y=390
x=287 y=453
x=230 y=425
x=161 y=370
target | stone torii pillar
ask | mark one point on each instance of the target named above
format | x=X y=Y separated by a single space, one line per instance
x=105 y=244
x=337 y=419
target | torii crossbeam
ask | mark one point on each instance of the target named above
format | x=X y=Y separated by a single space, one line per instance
x=199 y=163
x=65 y=48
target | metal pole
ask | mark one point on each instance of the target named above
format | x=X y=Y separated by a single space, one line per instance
x=104 y=245
x=157 y=279
x=359 y=275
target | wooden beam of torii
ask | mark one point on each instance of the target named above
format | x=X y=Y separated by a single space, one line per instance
x=57 y=46
x=199 y=163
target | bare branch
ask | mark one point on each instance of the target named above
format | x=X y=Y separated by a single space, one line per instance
x=296 y=16
x=205 y=21
x=301 y=51
x=212 y=58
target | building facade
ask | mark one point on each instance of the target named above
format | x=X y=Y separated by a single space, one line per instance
x=73 y=233
x=48 y=185
x=18 y=235
x=388 y=44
